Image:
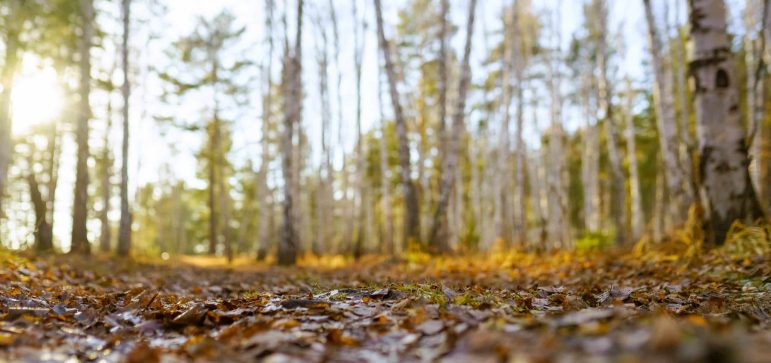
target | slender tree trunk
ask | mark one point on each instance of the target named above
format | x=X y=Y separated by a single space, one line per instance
x=412 y=210
x=287 y=248
x=637 y=218
x=438 y=242
x=263 y=193
x=618 y=204
x=558 y=226
x=687 y=147
x=363 y=204
x=124 y=231
x=519 y=226
x=105 y=238
x=385 y=182
x=43 y=235
x=214 y=210
x=590 y=163
x=80 y=242
x=440 y=220
x=10 y=61
x=722 y=139
x=503 y=171
x=677 y=185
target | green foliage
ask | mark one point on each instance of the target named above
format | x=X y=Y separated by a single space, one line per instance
x=593 y=241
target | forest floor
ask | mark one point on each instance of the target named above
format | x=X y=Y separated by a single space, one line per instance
x=556 y=307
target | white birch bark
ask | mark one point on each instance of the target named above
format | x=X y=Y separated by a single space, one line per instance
x=722 y=139
x=677 y=185
x=637 y=218
x=590 y=162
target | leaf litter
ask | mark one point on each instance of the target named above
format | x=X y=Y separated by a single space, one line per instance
x=522 y=308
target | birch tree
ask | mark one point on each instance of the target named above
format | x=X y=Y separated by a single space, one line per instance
x=292 y=97
x=411 y=208
x=730 y=195
x=263 y=191
x=79 y=243
x=677 y=185
x=439 y=244
x=618 y=205
x=637 y=219
x=124 y=229
x=558 y=227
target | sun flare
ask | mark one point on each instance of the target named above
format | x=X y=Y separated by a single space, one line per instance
x=36 y=99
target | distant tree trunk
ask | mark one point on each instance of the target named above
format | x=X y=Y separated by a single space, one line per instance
x=558 y=224
x=658 y=221
x=590 y=162
x=503 y=171
x=105 y=238
x=519 y=226
x=214 y=210
x=10 y=62
x=412 y=210
x=439 y=229
x=288 y=245
x=363 y=204
x=324 y=169
x=439 y=243
x=618 y=204
x=80 y=242
x=722 y=139
x=687 y=146
x=43 y=232
x=385 y=182
x=677 y=185
x=637 y=218
x=266 y=205
x=124 y=231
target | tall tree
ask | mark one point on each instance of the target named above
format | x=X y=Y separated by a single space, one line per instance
x=437 y=242
x=105 y=236
x=80 y=242
x=618 y=205
x=265 y=200
x=637 y=220
x=11 y=30
x=292 y=97
x=730 y=195
x=124 y=229
x=675 y=173
x=412 y=210
x=558 y=224
x=502 y=212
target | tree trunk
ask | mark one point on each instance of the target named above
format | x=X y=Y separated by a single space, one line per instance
x=105 y=238
x=10 y=61
x=590 y=162
x=439 y=243
x=263 y=193
x=675 y=174
x=412 y=210
x=385 y=182
x=43 y=231
x=288 y=245
x=501 y=216
x=80 y=242
x=618 y=204
x=637 y=218
x=558 y=226
x=360 y=154
x=440 y=229
x=722 y=139
x=124 y=231
x=519 y=227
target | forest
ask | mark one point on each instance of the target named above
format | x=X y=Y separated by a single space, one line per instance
x=385 y=181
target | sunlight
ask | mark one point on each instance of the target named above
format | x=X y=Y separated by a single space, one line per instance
x=36 y=99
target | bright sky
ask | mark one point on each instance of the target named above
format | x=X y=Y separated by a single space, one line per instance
x=163 y=153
